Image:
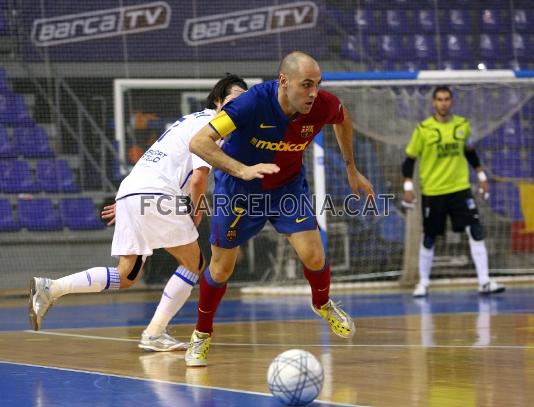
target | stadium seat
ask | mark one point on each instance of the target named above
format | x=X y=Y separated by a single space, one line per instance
x=32 y=142
x=352 y=49
x=426 y=21
x=522 y=45
x=16 y=177
x=494 y=20
x=493 y=47
x=80 y=214
x=398 y=21
x=38 y=215
x=507 y=163
x=456 y=47
x=363 y=21
x=8 y=222
x=13 y=109
x=55 y=176
x=6 y=148
x=523 y=20
x=424 y=46
x=504 y=200
x=456 y=20
x=390 y=47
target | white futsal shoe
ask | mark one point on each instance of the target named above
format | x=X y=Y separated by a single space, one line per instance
x=161 y=343
x=40 y=301
x=491 y=287
x=420 y=291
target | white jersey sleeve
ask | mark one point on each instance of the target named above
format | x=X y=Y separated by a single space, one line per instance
x=199 y=162
x=166 y=167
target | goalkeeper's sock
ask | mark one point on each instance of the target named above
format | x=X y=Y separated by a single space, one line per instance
x=425 y=264
x=479 y=254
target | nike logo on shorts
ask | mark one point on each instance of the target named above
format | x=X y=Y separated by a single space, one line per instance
x=300 y=220
x=266 y=126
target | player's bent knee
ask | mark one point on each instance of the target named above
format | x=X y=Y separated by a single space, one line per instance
x=314 y=261
x=475 y=232
x=428 y=241
x=136 y=269
x=219 y=275
x=194 y=264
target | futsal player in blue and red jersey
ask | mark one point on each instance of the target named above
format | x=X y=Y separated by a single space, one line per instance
x=267 y=130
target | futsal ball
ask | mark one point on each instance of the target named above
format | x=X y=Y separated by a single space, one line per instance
x=295 y=377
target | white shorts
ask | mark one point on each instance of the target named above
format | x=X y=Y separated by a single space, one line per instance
x=141 y=225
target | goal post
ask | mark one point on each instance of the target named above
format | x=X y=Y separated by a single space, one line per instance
x=198 y=88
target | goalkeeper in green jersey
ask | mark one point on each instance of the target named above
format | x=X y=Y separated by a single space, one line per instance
x=442 y=145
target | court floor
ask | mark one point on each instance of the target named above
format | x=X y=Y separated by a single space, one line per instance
x=453 y=349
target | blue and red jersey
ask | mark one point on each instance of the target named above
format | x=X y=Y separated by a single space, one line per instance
x=260 y=132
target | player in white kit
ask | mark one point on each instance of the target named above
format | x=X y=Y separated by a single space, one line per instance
x=152 y=210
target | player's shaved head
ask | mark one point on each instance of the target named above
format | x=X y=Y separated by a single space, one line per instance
x=298 y=83
x=295 y=62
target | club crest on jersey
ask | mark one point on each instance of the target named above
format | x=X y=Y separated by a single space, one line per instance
x=231 y=235
x=306 y=130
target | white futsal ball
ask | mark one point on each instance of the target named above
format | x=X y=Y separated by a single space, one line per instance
x=295 y=377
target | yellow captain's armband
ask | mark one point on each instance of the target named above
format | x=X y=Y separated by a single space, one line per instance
x=223 y=124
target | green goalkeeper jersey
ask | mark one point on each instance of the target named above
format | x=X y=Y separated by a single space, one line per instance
x=440 y=146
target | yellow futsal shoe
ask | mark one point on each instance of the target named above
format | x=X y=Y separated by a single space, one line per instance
x=197 y=352
x=340 y=322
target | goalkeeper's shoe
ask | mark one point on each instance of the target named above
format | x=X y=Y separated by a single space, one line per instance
x=40 y=301
x=491 y=287
x=197 y=352
x=340 y=322
x=420 y=291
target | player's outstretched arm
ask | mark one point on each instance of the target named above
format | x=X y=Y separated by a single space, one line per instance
x=357 y=181
x=204 y=145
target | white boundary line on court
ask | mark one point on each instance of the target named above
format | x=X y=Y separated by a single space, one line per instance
x=351 y=345
x=144 y=379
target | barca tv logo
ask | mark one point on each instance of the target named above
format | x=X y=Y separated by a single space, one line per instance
x=250 y=23
x=101 y=24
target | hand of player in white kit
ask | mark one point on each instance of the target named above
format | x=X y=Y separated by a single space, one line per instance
x=108 y=213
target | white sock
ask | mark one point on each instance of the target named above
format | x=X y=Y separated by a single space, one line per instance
x=480 y=258
x=175 y=294
x=425 y=264
x=93 y=280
